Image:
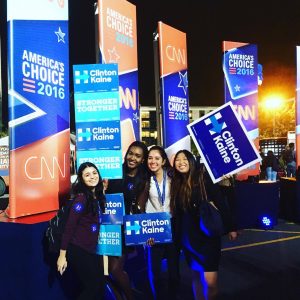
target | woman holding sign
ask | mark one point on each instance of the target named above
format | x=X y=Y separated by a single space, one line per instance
x=80 y=236
x=159 y=201
x=135 y=176
x=190 y=186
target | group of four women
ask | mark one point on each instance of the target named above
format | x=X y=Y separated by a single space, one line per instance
x=149 y=185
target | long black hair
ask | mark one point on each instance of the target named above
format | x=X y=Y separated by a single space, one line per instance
x=183 y=183
x=79 y=187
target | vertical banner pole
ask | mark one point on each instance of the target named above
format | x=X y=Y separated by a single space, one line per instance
x=298 y=108
x=38 y=89
x=157 y=89
x=174 y=91
x=118 y=44
x=241 y=88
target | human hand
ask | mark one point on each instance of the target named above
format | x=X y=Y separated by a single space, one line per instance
x=227 y=176
x=150 y=242
x=61 y=264
x=105 y=184
x=232 y=235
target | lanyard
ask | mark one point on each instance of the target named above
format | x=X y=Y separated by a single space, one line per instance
x=161 y=196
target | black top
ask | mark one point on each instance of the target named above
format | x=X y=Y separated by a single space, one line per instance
x=82 y=228
x=130 y=187
x=213 y=194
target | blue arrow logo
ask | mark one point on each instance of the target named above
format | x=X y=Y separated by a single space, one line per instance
x=217 y=127
x=83 y=76
x=136 y=227
x=86 y=134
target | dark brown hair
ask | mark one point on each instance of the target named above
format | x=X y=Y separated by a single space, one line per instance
x=183 y=184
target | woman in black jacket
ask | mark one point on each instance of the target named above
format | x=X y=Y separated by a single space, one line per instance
x=190 y=186
x=132 y=185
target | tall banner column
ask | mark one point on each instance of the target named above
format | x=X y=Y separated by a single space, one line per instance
x=38 y=90
x=241 y=88
x=118 y=44
x=298 y=109
x=174 y=94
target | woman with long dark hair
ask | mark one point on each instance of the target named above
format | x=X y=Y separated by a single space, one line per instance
x=190 y=186
x=80 y=237
x=132 y=185
x=158 y=200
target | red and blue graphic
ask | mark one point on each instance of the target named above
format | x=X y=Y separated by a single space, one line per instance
x=174 y=89
x=38 y=89
x=118 y=44
x=223 y=143
x=241 y=81
x=140 y=227
x=240 y=69
x=241 y=78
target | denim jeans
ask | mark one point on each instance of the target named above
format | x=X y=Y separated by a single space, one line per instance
x=291 y=169
x=271 y=174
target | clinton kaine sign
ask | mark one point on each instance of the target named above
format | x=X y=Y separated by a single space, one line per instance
x=141 y=227
x=223 y=143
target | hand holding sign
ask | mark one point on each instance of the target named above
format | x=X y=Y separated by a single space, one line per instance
x=147 y=228
x=223 y=143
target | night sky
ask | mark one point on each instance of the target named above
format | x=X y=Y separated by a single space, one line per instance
x=273 y=26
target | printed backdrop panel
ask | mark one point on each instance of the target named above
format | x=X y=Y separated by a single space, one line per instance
x=174 y=88
x=38 y=88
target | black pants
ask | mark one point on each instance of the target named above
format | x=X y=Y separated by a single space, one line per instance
x=89 y=270
x=156 y=254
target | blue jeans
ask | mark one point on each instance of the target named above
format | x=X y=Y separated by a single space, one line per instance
x=271 y=174
x=291 y=169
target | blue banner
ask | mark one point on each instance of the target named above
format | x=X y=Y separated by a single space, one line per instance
x=97 y=115
x=240 y=70
x=110 y=240
x=98 y=135
x=141 y=227
x=38 y=105
x=114 y=209
x=96 y=78
x=100 y=106
x=175 y=107
x=109 y=162
x=174 y=91
x=39 y=86
x=223 y=143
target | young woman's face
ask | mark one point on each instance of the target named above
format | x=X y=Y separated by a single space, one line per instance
x=155 y=161
x=181 y=163
x=134 y=157
x=90 y=177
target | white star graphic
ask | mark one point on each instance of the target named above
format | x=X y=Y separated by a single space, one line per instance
x=135 y=117
x=237 y=88
x=60 y=35
x=113 y=55
x=183 y=81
